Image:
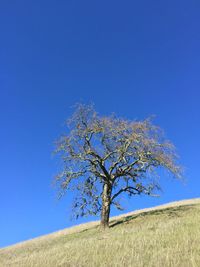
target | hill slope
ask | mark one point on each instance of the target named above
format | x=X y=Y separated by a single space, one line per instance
x=168 y=235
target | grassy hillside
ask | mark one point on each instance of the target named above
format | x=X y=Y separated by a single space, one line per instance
x=165 y=236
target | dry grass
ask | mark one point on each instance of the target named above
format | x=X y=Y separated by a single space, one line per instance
x=164 y=236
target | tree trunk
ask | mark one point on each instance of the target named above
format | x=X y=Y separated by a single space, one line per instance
x=105 y=212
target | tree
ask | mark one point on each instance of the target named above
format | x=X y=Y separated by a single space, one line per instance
x=105 y=157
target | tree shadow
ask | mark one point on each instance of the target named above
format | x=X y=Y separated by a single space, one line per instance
x=170 y=212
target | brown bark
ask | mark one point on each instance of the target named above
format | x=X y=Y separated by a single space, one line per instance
x=106 y=201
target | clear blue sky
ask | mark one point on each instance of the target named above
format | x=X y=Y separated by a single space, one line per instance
x=134 y=58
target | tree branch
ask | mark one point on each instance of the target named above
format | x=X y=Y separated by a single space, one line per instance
x=130 y=189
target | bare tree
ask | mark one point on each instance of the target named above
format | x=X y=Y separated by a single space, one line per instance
x=104 y=157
